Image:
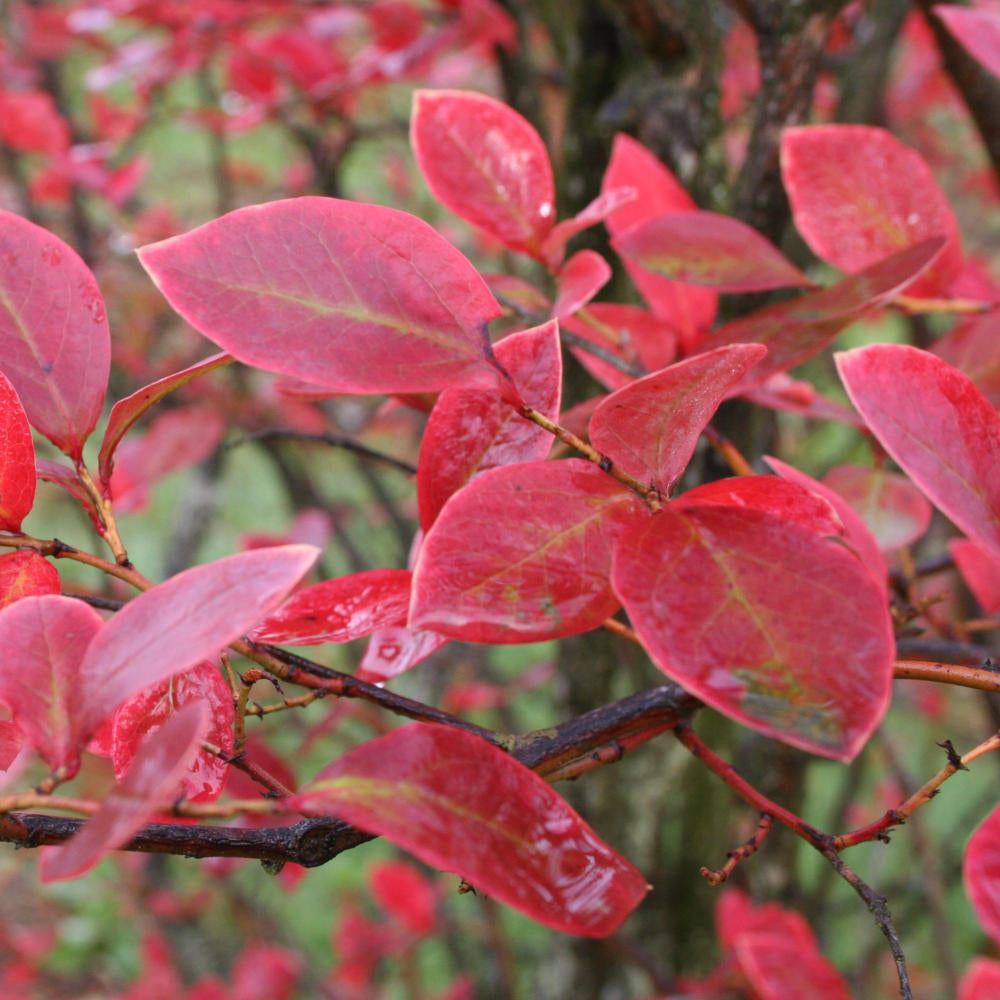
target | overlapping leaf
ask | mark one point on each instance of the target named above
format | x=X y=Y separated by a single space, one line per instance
x=26 y=574
x=582 y=277
x=55 y=347
x=460 y=804
x=979 y=567
x=727 y=602
x=351 y=297
x=392 y=651
x=523 y=553
x=938 y=427
x=17 y=460
x=971 y=346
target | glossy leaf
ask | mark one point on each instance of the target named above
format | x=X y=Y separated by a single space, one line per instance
x=44 y=639
x=339 y=610
x=981 y=873
x=650 y=428
x=582 y=277
x=55 y=348
x=858 y=194
x=981 y=980
x=896 y=512
x=796 y=329
x=486 y=163
x=977 y=29
x=128 y=410
x=26 y=574
x=17 y=460
x=351 y=297
x=690 y=308
x=392 y=651
x=523 y=553
x=726 y=601
x=460 y=804
x=470 y=431
x=937 y=426
x=150 y=783
x=705 y=248
x=779 y=969
x=149 y=710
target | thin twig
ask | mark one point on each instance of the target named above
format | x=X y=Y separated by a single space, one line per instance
x=333 y=440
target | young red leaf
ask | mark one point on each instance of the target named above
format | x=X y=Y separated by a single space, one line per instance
x=62 y=475
x=44 y=639
x=705 y=248
x=977 y=29
x=485 y=163
x=979 y=567
x=56 y=348
x=470 y=430
x=690 y=308
x=351 y=297
x=460 y=804
x=896 y=512
x=582 y=277
x=173 y=626
x=796 y=329
x=727 y=601
x=150 y=784
x=339 y=610
x=128 y=410
x=981 y=980
x=937 y=426
x=26 y=574
x=150 y=710
x=17 y=460
x=598 y=210
x=650 y=427
x=779 y=969
x=523 y=553
x=981 y=873
x=392 y=651
x=858 y=194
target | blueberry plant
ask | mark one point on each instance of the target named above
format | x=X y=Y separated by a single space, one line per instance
x=785 y=603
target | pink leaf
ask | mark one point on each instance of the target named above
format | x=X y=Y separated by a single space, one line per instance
x=127 y=411
x=796 y=329
x=485 y=163
x=523 y=553
x=690 y=308
x=727 y=600
x=392 y=651
x=150 y=783
x=598 y=210
x=979 y=567
x=981 y=980
x=55 y=347
x=44 y=639
x=26 y=574
x=858 y=194
x=706 y=248
x=17 y=460
x=351 y=297
x=149 y=711
x=460 y=804
x=62 y=475
x=339 y=610
x=971 y=346
x=981 y=873
x=977 y=29
x=779 y=969
x=937 y=426
x=580 y=279
x=650 y=427
x=895 y=511
x=470 y=431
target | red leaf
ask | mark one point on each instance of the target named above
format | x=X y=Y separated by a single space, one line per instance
x=650 y=427
x=392 y=651
x=981 y=980
x=265 y=972
x=796 y=329
x=30 y=123
x=727 y=601
x=55 y=347
x=858 y=194
x=978 y=30
x=127 y=411
x=460 y=804
x=11 y=741
x=937 y=426
x=150 y=784
x=61 y=475
x=778 y=968
x=981 y=873
x=339 y=610
x=17 y=460
x=149 y=711
x=980 y=569
x=485 y=163
x=601 y=207
x=44 y=639
x=706 y=248
x=26 y=574
x=895 y=511
x=470 y=431
x=401 y=890
x=581 y=278
x=690 y=308
x=971 y=346
x=351 y=297
x=523 y=553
